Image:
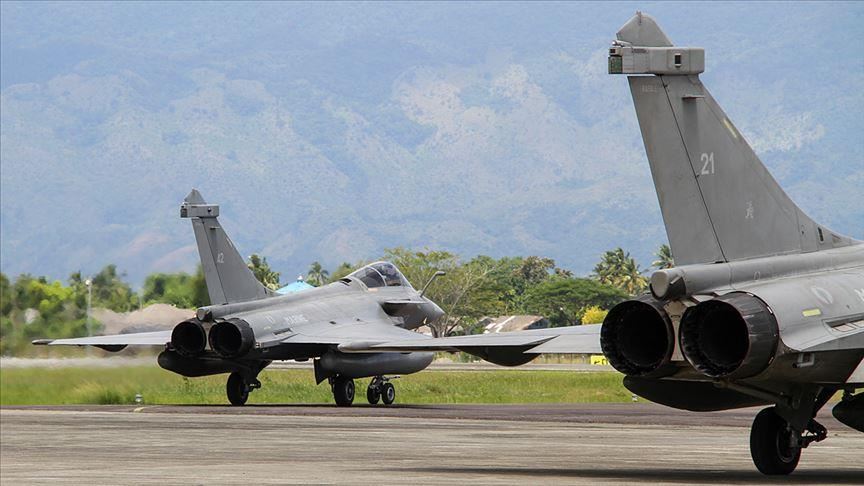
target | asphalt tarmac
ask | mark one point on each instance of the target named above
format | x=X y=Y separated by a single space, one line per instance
x=442 y=444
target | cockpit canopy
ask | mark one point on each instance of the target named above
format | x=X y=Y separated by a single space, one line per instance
x=381 y=274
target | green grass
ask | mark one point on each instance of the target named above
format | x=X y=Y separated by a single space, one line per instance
x=55 y=386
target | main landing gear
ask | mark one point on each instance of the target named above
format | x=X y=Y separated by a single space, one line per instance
x=343 y=390
x=238 y=388
x=379 y=389
x=775 y=444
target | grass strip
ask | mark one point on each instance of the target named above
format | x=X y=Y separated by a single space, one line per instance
x=59 y=386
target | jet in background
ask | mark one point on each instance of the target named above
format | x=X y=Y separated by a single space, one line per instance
x=248 y=326
x=765 y=307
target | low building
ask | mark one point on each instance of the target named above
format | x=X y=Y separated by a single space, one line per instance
x=298 y=285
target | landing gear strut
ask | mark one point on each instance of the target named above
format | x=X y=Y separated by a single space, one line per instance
x=343 y=390
x=776 y=446
x=238 y=388
x=381 y=388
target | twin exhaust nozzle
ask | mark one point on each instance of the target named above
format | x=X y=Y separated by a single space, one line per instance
x=731 y=336
x=231 y=338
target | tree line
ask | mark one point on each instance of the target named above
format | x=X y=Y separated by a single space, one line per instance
x=33 y=307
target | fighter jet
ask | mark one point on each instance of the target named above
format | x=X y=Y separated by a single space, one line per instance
x=247 y=326
x=765 y=307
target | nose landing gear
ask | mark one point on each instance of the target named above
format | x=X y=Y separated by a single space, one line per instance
x=373 y=393
x=381 y=388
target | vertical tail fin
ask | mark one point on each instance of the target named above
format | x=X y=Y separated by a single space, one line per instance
x=719 y=202
x=228 y=278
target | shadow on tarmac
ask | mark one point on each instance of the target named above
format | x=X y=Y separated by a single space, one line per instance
x=661 y=475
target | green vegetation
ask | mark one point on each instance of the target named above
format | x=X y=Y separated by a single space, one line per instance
x=316 y=275
x=109 y=290
x=564 y=300
x=484 y=286
x=49 y=386
x=179 y=289
x=341 y=271
x=594 y=315
x=262 y=271
x=33 y=307
x=664 y=258
x=618 y=269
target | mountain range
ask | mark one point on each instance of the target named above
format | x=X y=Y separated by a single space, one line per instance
x=330 y=131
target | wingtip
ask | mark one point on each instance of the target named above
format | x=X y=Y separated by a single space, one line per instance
x=41 y=342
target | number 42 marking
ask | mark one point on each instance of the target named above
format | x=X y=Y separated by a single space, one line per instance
x=707 y=160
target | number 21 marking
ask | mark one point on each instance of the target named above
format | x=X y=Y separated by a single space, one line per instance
x=707 y=163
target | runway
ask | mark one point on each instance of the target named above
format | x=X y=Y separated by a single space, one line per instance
x=442 y=444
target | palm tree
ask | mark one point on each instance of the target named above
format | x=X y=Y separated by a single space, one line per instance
x=317 y=274
x=610 y=265
x=664 y=258
x=261 y=269
x=631 y=279
x=618 y=269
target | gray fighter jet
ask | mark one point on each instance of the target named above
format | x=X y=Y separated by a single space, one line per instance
x=765 y=307
x=248 y=326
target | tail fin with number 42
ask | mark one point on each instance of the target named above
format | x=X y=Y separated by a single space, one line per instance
x=228 y=278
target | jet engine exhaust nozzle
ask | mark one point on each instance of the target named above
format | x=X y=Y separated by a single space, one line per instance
x=637 y=337
x=732 y=336
x=232 y=338
x=189 y=338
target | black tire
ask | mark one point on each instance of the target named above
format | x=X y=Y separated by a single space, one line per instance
x=237 y=389
x=373 y=394
x=388 y=393
x=343 y=391
x=769 y=444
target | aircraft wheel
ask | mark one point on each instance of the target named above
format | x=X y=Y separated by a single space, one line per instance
x=373 y=394
x=237 y=389
x=773 y=444
x=388 y=393
x=343 y=391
